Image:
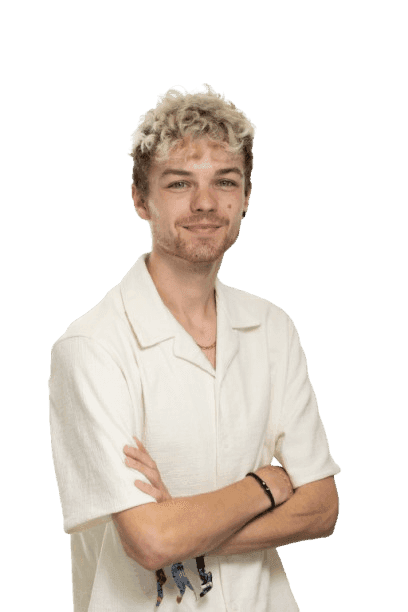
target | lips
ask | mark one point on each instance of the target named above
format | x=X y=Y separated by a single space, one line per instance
x=202 y=230
x=201 y=226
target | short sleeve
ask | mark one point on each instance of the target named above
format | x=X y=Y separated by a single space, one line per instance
x=91 y=419
x=301 y=443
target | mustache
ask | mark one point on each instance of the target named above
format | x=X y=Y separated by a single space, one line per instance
x=201 y=219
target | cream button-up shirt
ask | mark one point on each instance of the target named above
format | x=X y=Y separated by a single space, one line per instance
x=127 y=367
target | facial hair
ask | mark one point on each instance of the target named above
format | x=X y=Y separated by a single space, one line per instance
x=207 y=249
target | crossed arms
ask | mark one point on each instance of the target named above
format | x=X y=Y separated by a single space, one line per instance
x=223 y=522
x=311 y=513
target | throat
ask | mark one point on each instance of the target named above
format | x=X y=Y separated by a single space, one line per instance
x=211 y=355
x=208 y=348
x=206 y=339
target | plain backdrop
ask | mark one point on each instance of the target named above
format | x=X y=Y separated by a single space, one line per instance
x=325 y=84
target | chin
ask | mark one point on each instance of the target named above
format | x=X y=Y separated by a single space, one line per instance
x=198 y=253
x=200 y=257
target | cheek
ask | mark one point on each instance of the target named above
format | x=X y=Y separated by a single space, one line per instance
x=164 y=224
x=158 y=217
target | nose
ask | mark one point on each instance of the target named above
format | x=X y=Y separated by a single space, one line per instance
x=203 y=200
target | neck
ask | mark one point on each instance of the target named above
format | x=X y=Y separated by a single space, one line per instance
x=186 y=289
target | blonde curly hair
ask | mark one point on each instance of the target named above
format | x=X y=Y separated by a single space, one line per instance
x=178 y=115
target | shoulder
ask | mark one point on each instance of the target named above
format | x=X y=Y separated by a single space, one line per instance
x=105 y=325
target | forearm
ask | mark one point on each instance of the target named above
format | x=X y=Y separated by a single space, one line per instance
x=188 y=527
x=310 y=513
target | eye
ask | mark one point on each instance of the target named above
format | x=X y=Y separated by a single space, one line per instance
x=177 y=185
x=229 y=183
x=181 y=184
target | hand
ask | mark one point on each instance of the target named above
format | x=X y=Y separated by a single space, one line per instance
x=140 y=460
x=278 y=481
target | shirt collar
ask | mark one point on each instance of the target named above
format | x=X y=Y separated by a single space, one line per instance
x=153 y=322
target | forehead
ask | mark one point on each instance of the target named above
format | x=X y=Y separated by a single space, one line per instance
x=190 y=151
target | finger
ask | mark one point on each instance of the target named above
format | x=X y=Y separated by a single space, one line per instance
x=150 y=474
x=149 y=461
x=147 y=488
x=134 y=453
x=139 y=443
x=141 y=446
x=137 y=465
x=131 y=451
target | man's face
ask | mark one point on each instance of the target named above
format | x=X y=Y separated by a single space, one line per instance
x=196 y=200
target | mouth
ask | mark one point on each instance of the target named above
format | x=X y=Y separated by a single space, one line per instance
x=202 y=229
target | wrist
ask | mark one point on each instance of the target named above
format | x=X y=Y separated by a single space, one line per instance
x=262 y=503
x=265 y=488
x=278 y=482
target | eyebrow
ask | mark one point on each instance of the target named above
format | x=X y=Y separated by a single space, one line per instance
x=187 y=173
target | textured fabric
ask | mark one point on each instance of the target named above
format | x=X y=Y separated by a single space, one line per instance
x=127 y=367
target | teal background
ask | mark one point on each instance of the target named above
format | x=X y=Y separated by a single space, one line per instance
x=324 y=238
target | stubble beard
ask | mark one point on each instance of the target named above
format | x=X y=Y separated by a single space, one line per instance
x=208 y=250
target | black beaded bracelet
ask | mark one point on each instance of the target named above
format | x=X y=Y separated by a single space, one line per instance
x=265 y=487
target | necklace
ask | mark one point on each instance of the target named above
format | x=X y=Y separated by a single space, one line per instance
x=206 y=348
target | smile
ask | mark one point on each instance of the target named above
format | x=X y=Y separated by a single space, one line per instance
x=202 y=229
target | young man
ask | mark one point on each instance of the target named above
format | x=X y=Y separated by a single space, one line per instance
x=175 y=387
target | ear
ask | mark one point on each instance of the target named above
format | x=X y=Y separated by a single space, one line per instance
x=140 y=204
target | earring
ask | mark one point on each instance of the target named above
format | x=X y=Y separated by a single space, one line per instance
x=243 y=214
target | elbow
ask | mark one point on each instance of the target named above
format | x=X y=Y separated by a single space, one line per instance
x=323 y=522
x=328 y=531
x=329 y=523
x=157 y=558
x=154 y=564
x=319 y=508
x=160 y=554
x=141 y=544
x=332 y=525
x=320 y=527
x=145 y=554
x=152 y=554
x=157 y=550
